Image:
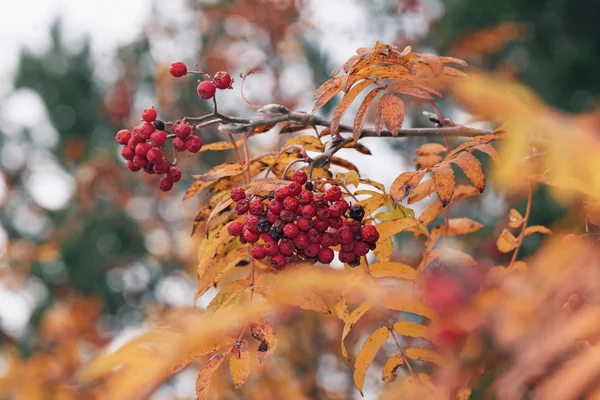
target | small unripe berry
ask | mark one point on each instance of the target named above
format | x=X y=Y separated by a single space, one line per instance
x=286 y=247
x=291 y=230
x=193 y=144
x=149 y=114
x=312 y=250
x=278 y=262
x=271 y=249
x=222 y=80
x=182 y=130
x=290 y=203
x=127 y=153
x=165 y=185
x=275 y=206
x=154 y=155
x=305 y=224
x=344 y=235
x=242 y=206
x=326 y=256
x=281 y=193
x=206 y=90
x=146 y=129
x=158 y=138
x=162 y=167
x=369 y=234
x=178 y=69
x=174 y=174
x=257 y=251
x=256 y=206
x=334 y=193
x=237 y=194
x=235 y=228
x=301 y=241
x=306 y=197
x=308 y=210
x=361 y=249
x=132 y=167
x=299 y=177
x=250 y=236
x=123 y=136
x=357 y=212
x=139 y=161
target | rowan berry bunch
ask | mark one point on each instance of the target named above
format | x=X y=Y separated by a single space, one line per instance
x=296 y=220
x=207 y=88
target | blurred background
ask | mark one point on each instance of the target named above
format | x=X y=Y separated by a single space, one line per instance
x=91 y=253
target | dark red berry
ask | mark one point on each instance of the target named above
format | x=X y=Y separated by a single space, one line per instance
x=278 y=262
x=334 y=193
x=312 y=250
x=301 y=241
x=344 y=235
x=291 y=230
x=323 y=213
x=326 y=239
x=179 y=144
x=334 y=212
x=174 y=174
x=342 y=206
x=256 y=206
x=271 y=249
x=306 y=197
x=162 y=167
x=123 y=136
x=305 y=224
x=127 y=153
x=357 y=236
x=149 y=169
x=235 y=228
x=242 y=206
x=165 y=185
x=336 y=223
x=314 y=236
x=347 y=247
x=271 y=217
x=149 y=114
x=193 y=144
x=257 y=251
x=154 y=155
x=357 y=212
x=178 y=69
x=132 y=167
x=158 y=138
x=326 y=256
x=275 y=206
x=281 y=193
x=346 y=257
x=308 y=210
x=294 y=188
x=250 y=236
x=287 y=215
x=182 y=130
x=299 y=177
x=321 y=225
x=135 y=139
x=361 y=249
x=146 y=129
x=139 y=161
x=237 y=194
x=290 y=203
x=319 y=199
x=159 y=125
x=142 y=149
x=369 y=234
x=206 y=90
x=286 y=247
x=354 y=226
x=222 y=80
x=267 y=238
x=355 y=262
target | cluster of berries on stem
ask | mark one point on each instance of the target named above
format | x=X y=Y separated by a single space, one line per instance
x=207 y=88
x=293 y=220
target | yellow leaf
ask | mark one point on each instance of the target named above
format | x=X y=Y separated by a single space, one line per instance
x=427 y=161
x=424 y=355
x=239 y=363
x=367 y=355
x=340 y=308
x=389 y=369
x=362 y=113
x=393 y=270
x=326 y=92
x=409 y=304
x=412 y=329
x=263 y=332
x=388 y=229
x=217 y=267
x=213 y=174
x=348 y=178
x=383 y=251
x=205 y=376
x=405 y=183
x=422 y=190
x=431 y=148
x=228 y=295
x=209 y=246
x=506 y=241
x=373 y=203
x=310 y=143
x=537 y=229
x=217 y=146
x=471 y=168
x=443 y=180
x=354 y=316
x=345 y=103
x=463 y=226
x=392 y=112
x=515 y=219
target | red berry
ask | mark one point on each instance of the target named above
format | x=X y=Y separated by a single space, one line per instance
x=369 y=234
x=127 y=153
x=306 y=197
x=256 y=206
x=308 y=210
x=361 y=249
x=278 y=262
x=182 y=130
x=146 y=129
x=312 y=250
x=179 y=144
x=222 y=80
x=290 y=203
x=294 y=188
x=326 y=256
x=323 y=213
x=301 y=241
x=165 y=185
x=155 y=155
x=258 y=251
x=149 y=169
x=342 y=205
x=299 y=177
x=149 y=114
x=193 y=144
x=291 y=230
x=326 y=239
x=275 y=206
x=336 y=223
x=575 y=301
x=305 y=224
x=321 y=225
x=443 y=292
x=271 y=248
x=267 y=238
x=346 y=257
x=139 y=161
x=141 y=149
x=237 y=194
x=286 y=247
x=334 y=212
x=354 y=226
x=158 y=138
x=272 y=217
x=319 y=199
x=334 y=193
x=162 y=167
x=344 y=235
x=250 y=236
x=287 y=215
x=178 y=69
x=314 y=236
x=132 y=167
x=235 y=228
x=206 y=90
x=242 y=206
x=281 y=193
x=135 y=139
x=347 y=247
x=123 y=136
x=252 y=222
x=174 y=174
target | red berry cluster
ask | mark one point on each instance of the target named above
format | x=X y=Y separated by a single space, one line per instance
x=296 y=220
x=206 y=89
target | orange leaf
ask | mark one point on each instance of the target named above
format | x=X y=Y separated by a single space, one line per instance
x=412 y=329
x=213 y=174
x=515 y=219
x=389 y=369
x=209 y=246
x=354 y=316
x=404 y=183
x=506 y=241
x=427 y=161
x=205 y=376
x=367 y=355
x=307 y=141
x=471 y=168
x=454 y=61
x=228 y=295
x=345 y=103
x=388 y=229
x=443 y=179
x=393 y=270
x=424 y=355
x=431 y=148
x=434 y=62
x=326 y=92
x=406 y=303
x=423 y=189
x=239 y=363
x=487 y=149
x=463 y=226
x=263 y=332
x=537 y=229
x=393 y=112
x=362 y=113
x=217 y=267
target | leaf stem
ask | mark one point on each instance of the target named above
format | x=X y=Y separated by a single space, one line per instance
x=524 y=226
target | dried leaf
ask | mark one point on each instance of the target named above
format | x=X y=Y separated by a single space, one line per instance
x=263 y=332
x=463 y=226
x=367 y=355
x=326 y=92
x=217 y=267
x=388 y=229
x=228 y=295
x=412 y=329
x=393 y=270
x=537 y=229
x=213 y=174
x=363 y=112
x=239 y=363
x=348 y=178
x=354 y=316
x=487 y=149
x=424 y=355
x=443 y=179
x=217 y=146
x=515 y=219
x=506 y=241
x=405 y=183
x=392 y=112
x=205 y=376
x=309 y=142
x=421 y=191
x=471 y=168
x=389 y=369
x=373 y=203
x=430 y=148
x=427 y=161
x=340 y=308
x=383 y=251
x=434 y=62
x=345 y=103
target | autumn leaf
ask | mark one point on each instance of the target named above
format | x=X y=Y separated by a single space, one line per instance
x=393 y=270
x=352 y=319
x=218 y=267
x=345 y=103
x=430 y=148
x=348 y=178
x=424 y=355
x=389 y=369
x=506 y=241
x=209 y=246
x=214 y=174
x=407 y=303
x=463 y=226
x=310 y=143
x=263 y=332
x=205 y=376
x=373 y=203
x=388 y=229
x=487 y=149
x=422 y=190
x=537 y=229
x=392 y=109
x=228 y=294
x=515 y=219
x=239 y=363
x=219 y=146
x=404 y=183
x=471 y=168
x=434 y=62
x=326 y=92
x=443 y=179
x=412 y=329
x=367 y=355
x=363 y=112
x=383 y=251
